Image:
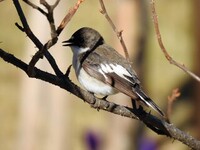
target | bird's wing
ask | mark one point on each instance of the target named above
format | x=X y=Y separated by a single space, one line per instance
x=112 y=74
x=118 y=76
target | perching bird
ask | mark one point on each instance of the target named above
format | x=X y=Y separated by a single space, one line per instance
x=102 y=70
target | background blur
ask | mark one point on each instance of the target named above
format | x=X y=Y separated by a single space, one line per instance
x=37 y=115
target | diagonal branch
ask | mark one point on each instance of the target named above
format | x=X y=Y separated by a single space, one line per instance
x=65 y=83
x=68 y=17
x=30 y=34
x=26 y=27
x=159 y=38
x=157 y=125
x=119 y=33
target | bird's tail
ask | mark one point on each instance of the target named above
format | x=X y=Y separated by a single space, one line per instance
x=146 y=100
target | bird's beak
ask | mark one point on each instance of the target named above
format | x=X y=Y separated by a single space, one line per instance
x=68 y=43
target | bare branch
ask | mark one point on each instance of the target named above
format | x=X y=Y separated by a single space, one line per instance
x=30 y=34
x=168 y=57
x=26 y=26
x=19 y=27
x=35 y=7
x=55 y=4
x=118 y=33
x=171 y=99
x=68 y=17
x=45 y=4
x=159 y=126
x=65 y=83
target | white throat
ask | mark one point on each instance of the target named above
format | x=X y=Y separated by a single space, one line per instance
x=76 y=52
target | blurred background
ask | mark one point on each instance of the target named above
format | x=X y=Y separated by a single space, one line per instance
x=37 y=115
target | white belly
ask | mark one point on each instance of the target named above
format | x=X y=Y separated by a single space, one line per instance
x=95 y=86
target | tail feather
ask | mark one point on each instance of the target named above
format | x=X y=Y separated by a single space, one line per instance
x=146 y=100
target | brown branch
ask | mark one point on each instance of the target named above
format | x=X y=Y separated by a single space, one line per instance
x=118 y=33
x=168 y=57
x=171 y=99
x=68 y=17
x=157 y=125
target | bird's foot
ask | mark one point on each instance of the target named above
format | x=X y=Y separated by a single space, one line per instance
x=96 y=104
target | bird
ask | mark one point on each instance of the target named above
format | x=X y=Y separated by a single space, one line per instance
x=101 y=70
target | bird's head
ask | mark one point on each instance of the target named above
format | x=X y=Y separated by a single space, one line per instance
x=84 y=38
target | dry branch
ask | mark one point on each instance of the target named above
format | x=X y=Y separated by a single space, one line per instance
x=171 y=99
x=158 y=125
x=118 y=33
x=159 y=38
x=68 y=17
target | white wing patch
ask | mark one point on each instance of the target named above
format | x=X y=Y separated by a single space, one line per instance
x=114 y=68
x=101 y=71
x=104 y=68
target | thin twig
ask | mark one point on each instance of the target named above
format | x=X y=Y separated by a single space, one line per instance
x=171 y=99
x=168 y=57
x=68 y=17
x=119 y=33
x=35 y=7
x=50 y=16
x=55 y=4
x=45 y=4
x=26 y=27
